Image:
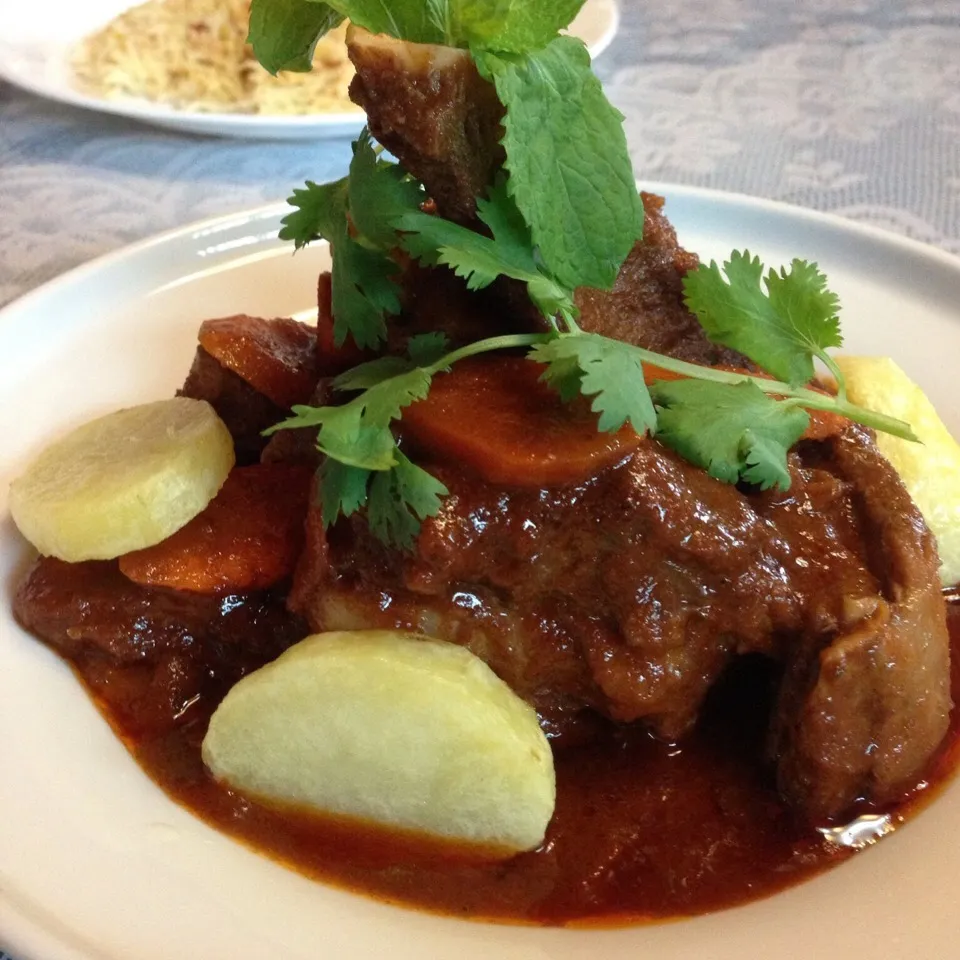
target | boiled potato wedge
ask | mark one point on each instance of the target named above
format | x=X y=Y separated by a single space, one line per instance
x=930 y=470
x=392 y=728
x=124 y=481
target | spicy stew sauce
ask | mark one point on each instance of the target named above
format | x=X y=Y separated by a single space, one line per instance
x=643 y=830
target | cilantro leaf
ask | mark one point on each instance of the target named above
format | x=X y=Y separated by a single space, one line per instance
x=379 y=192
x=734 y=431
x=320 y=209
x=426 y=349
x=284 y=33
x=357 y=433
x=383 y=402
x=570 y=172
x=809 y=309
x=363 y=279
x=343 y=489
x=611 y=372
x=399 y=499
x=371 y=373
x=364 y=288
x=780 y=330
x=480 y=259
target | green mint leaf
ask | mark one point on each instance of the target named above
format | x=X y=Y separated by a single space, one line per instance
x=570 y=172
x=343 y=489
x=780 y=330
x=412 y=20
x=441 y=18
x=379 y=192
x=462 y=22
x=530 y=26
x=399 y=499
x=320 y=210
x=610 y=372
x=425 y=349
x=734 y=431
x=284 y=33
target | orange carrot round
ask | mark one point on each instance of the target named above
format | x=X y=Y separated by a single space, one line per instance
x=496 y=417
x=248 y=538
x=276 y=357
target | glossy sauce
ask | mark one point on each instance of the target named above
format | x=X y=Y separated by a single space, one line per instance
x=642 y=831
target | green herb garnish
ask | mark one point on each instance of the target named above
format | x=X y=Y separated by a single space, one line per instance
x=563 y=213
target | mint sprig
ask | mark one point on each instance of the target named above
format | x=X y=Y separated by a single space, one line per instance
x=570 y=173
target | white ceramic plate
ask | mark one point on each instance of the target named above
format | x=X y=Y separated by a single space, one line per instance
x=97 y=864
x=37 y=36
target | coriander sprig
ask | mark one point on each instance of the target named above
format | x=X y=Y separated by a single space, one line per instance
x=564 y=212
x=735 y=425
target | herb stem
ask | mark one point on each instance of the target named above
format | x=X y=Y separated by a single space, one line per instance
x=803 y=396
x=505 y=342
x=810 y=399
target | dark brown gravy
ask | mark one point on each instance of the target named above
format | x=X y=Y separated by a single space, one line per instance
x=642 y=831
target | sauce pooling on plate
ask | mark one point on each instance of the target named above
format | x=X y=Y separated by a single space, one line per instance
x=643 y=830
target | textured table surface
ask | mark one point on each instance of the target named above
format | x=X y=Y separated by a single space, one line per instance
x=849 y=107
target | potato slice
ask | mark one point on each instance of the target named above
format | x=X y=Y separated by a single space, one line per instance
x=930 y=470
x=124 y=481
x=392 y=728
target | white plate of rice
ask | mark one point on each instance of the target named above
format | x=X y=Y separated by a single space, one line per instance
x=184 y=64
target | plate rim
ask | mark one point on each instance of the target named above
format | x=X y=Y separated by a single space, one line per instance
x=667 y=189
x=242 y=125
x=29 y=947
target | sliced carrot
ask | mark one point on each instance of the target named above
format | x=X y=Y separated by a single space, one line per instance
x=276 y=357
x=823 y=423
x=248 y=538
x=495 y=416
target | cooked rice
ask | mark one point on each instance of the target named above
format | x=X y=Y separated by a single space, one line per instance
x=193 y=55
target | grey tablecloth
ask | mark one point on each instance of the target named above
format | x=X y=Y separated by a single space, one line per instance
x=850 y=107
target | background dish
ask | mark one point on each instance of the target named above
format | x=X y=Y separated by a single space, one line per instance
x=36 y=40
x=96 y=864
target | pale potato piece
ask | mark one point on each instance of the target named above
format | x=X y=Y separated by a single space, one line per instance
x=930 y=470
x=124 y=481
x=393 y=728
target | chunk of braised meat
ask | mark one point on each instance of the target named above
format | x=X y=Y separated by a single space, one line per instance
x=251 y=370
x=865 y=701
x=646 y=305
x=245 y=412
x=429 y=106
x=629 y=594
x=150 y=652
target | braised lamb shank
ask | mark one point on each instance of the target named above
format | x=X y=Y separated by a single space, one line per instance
x=629 y=593
x=625 y=594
